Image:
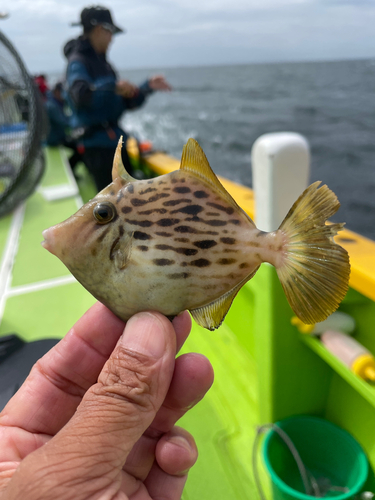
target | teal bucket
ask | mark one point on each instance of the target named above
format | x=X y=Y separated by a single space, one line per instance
x=330 y=454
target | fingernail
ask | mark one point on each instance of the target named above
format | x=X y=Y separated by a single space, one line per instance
x=144 y=333
x=181 y=442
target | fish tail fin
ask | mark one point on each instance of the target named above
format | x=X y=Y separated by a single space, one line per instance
x=314 y=270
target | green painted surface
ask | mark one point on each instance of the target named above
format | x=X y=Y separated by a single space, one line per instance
x=365 y=389
x=86 y=185
x=34 y=263
x=4 y=228
x=55 y=173
x=46 y=313
x=224 y=423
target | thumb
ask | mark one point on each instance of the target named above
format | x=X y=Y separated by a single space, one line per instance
x=116 y=411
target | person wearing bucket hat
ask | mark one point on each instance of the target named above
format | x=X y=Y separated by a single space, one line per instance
x=97 y=15
x=97 y=97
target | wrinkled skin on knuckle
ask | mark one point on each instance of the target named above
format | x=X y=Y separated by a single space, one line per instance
x=57 y=472
x=39 y=476
x=128 y=377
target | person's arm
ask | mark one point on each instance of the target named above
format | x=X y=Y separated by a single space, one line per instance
x=132 y=95
x=155 y=83
x=85 y=93
x=80 y=85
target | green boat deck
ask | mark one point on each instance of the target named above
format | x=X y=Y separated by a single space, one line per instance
x=264 y=369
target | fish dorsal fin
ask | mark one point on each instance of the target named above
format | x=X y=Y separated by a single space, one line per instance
x=194 y=160
x=118 y=169
x=212 y=315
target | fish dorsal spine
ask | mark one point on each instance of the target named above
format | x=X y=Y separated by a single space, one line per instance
x=118 y=169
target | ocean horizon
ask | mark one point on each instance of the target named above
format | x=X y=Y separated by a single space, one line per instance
x=227 y=107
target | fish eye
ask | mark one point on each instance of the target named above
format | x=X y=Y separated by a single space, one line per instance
x=104 y=212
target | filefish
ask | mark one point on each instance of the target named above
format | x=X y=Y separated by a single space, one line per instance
x=180 y=241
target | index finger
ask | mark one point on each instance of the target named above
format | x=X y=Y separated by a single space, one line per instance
x=56 y=384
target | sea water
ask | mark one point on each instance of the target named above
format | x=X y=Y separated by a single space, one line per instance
x=226 y=108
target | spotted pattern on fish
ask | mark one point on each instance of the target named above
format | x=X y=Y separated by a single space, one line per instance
x=154 y=210
x=142 y=223
x=163 y=262
x=138 y=235
x=181 y=231
x=227 y=210
x=204 y=244
x=228 y=241
x=200 y=263
x=182 y=190
x=167 y=222
x=189 y=209
x=148 y=190
x=164 y=234
x=178 y=276
x=172 y=203
x=201 y=194
x=181 y=250
x=226 y=262
x=139 y=202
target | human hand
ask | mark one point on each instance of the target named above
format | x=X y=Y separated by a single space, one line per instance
x=158 y=82
x=126 y=89
x=95 y=418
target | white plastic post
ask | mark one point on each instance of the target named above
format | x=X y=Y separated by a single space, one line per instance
x=281 y=168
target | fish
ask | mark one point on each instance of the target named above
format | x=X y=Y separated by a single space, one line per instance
x=180 y=241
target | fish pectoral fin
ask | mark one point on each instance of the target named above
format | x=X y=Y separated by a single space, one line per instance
x=194 y=160
x=122 y=251
x=118 y=169
x=212 y=315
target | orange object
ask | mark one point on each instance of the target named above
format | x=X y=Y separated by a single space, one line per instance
x=145 y=146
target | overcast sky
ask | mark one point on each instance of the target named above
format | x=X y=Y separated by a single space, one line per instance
x=163 y=33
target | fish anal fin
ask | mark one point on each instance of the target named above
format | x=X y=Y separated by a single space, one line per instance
x=118 y=169
x=212 y=315
x=194 y=160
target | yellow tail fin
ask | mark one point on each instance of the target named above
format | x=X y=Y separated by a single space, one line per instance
x=315 y=271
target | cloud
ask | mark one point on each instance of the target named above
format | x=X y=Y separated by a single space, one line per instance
x=188 y=32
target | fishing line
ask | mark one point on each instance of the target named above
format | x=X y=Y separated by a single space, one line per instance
x=289 y=443
x=310 y=483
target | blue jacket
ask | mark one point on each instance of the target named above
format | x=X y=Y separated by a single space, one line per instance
x=58 y=120
x=96 y=108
